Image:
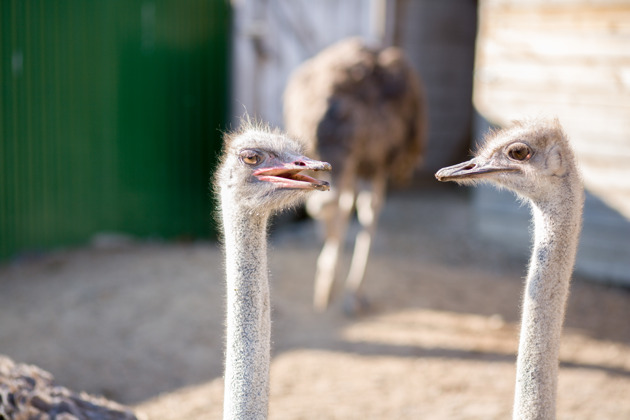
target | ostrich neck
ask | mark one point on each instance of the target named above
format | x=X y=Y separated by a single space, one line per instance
x=557 y=225
x=248 y=319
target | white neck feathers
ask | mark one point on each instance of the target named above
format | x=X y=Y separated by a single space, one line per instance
x=248 y=313
x=556 y=231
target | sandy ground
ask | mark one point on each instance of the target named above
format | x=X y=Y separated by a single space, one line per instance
x=142 y=323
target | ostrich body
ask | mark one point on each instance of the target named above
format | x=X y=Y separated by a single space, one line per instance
x=534 y=159
x=258 y=175
x=361 y=109
x=28 y=392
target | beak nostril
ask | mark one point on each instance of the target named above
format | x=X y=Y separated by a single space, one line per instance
x=469 y=167
x=299 y=163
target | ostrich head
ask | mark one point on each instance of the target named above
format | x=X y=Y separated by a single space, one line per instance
x=261 y=169
x=531 y=158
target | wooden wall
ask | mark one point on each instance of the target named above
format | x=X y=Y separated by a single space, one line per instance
x=271 y=38
x=571 y=59
x=439 y=37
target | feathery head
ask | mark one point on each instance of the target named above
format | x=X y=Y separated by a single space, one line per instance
x=261 y=168
x=530 y=158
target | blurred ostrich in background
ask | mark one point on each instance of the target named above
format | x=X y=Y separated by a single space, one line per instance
x=363 y=110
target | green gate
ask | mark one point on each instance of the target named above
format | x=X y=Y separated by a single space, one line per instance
x=110 y=118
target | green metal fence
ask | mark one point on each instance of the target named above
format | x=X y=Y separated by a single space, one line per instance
x=110 y=118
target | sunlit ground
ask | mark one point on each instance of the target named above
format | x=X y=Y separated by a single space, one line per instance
x=142 y=323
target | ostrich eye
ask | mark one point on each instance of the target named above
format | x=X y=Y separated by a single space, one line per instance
x=520 y=152
x=250 y=157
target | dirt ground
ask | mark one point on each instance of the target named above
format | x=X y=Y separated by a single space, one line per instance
x=142 y=323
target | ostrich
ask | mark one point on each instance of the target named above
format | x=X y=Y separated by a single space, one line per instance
x=28 y=392
x=533 y=158
x=259 y=173
x=363 y=110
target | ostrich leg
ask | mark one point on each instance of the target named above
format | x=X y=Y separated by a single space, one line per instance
x=369 y=205
x=336 y=228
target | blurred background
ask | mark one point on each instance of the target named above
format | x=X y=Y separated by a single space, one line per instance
x=111 y=119
x=112 y=111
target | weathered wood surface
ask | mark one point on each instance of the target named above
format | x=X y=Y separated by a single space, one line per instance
x=271 y=38
x=570 y=59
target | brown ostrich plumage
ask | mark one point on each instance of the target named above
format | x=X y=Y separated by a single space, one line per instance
x=363 y=110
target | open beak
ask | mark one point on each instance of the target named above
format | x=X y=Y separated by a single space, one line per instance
x=474 y=168
x=288 y=175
